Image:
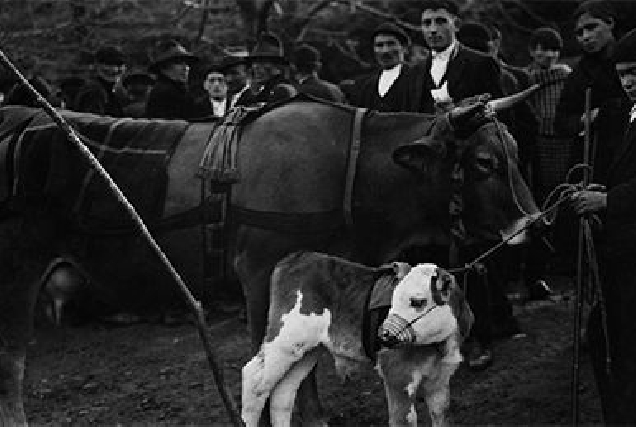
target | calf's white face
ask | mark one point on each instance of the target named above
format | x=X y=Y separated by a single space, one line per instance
x=420 y=313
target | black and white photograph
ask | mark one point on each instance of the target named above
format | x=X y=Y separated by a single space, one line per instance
x=254 y=213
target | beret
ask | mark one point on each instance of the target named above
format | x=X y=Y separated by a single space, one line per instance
x=394 y=30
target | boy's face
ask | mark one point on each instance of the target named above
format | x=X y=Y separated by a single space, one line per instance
x=543 y=57
x=215 y=85
x=627 y=74
x=592 y=33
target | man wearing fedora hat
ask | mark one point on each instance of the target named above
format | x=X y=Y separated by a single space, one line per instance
x=267 y=80
x=306 y=63
x=615 y=203
x=234 y=69
x=170 y=97
x=102 y=93
x=396 y=86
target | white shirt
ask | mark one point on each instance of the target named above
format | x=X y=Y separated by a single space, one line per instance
x=439 y=62
x=237 y=95
x=218 y=107
x=632 y=114
x=387 y=77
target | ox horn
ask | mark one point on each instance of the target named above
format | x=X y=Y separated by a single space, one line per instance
x=510 y=100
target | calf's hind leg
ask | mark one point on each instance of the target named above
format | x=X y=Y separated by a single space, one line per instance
x=259 y=377
x=281 y=401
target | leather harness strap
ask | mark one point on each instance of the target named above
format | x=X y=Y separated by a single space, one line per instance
x=354 y=152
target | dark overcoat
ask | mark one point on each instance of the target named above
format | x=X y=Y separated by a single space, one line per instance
x=618 y=277
x=169 y=99
x=408 y=93
x=321 y=89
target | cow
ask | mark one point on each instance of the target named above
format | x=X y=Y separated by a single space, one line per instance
x=299 y=188
x=320 y=304
x=295 y=161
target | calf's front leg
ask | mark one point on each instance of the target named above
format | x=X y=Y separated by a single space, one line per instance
x=401 y=381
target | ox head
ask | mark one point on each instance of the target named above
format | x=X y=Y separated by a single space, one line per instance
x=421 y=311
x=494 y=198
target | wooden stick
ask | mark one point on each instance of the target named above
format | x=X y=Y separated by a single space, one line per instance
x=194 y=305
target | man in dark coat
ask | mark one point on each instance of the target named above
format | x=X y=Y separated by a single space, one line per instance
x=306 y=63
x=102 y=93
x=396 y=86
x=170 y=97
x=267 y=80
x=594 y=26
x=455 y=72
x=617 y=206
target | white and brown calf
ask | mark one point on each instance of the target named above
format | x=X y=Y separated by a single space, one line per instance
x=317 y=304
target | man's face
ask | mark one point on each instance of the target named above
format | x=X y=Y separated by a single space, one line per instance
x=627 y=73
x=110 y=72
x=542 y=57
x=593 y=34
x=262 y=71
x=439 y=28
x=388 y=50
x=177 y=71
x=235 y=78
x=215 y=85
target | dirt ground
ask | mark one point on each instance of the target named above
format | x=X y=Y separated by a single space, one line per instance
x=150 y=374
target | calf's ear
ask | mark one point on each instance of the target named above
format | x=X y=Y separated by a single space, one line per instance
x=443 y=287
x=419 y=155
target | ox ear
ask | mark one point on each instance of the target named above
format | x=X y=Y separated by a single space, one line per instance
x=419 y=155
x=401 y=269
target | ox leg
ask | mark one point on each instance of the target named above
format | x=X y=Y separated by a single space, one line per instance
x=22 y=262
x=401 y=381
x=282 y=398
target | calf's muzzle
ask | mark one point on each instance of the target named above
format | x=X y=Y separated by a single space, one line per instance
x=396 y=330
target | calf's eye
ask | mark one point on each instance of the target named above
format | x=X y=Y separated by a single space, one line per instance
x=418 y=302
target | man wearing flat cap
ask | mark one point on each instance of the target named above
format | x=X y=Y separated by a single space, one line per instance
x=267 y=80
x=170 y=97
x=306 y=63
x=214 y=101
x=234 y=69
x=396 y=86
x=615 y=204
x=102 y=93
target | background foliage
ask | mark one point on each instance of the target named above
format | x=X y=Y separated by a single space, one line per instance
x=56 y=37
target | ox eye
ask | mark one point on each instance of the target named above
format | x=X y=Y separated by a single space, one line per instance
x=418 y=302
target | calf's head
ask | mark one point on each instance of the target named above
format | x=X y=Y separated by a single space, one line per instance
x=420 y=311
x=495 y=199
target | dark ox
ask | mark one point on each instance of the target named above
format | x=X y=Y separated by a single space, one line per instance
x=293 y=162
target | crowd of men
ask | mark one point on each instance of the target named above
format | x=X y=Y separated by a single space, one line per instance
x=461 y=60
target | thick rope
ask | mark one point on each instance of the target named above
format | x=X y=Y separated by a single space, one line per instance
x=194 y=305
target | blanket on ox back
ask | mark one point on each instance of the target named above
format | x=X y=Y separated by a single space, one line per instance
x=42 y=164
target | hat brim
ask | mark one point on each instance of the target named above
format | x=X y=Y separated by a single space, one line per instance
x=188 y=59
